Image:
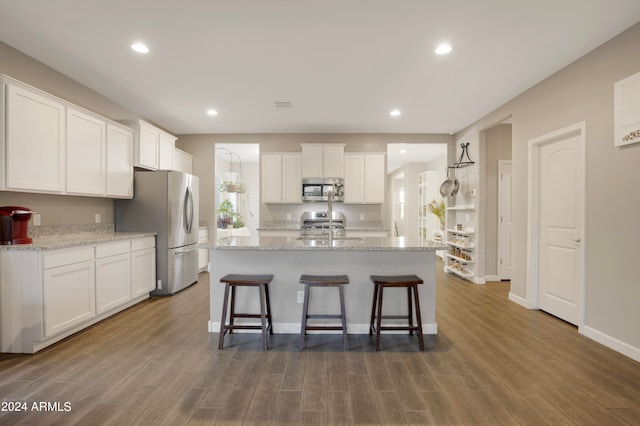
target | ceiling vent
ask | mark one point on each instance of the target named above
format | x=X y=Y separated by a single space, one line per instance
x=282 y=104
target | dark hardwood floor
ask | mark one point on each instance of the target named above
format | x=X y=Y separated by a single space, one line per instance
x=493 y=362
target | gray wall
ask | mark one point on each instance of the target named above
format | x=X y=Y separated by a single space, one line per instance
x=497 y=147
x=59 y=209
x=583 y=91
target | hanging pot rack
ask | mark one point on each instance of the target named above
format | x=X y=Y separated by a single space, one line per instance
x=463 y=160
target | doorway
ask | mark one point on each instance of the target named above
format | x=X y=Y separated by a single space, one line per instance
x=556 y=223
x=237 y=189
x=505 y=220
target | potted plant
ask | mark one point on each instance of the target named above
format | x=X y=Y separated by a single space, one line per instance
x=226 y=213
x=437 y=208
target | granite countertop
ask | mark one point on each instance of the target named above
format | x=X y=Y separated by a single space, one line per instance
x=53 y=242
x=348 y=244
x=351 y=226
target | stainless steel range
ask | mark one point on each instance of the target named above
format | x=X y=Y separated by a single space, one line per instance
x=318 y=223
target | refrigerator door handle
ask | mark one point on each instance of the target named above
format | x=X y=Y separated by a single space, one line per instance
x=184 y=251
x=188 y=210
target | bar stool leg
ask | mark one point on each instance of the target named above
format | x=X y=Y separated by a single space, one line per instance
x=410 y=305
x=233 y=308
x=266 y=294
x=224 y=315
x=305 y=310
x=263 y=317
x=343 y=315
x=379 y=319
x=418 y=317
x=373 y=309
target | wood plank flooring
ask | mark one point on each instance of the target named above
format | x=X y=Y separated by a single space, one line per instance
x=492 y=363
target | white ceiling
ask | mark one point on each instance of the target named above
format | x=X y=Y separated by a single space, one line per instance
x=344 y=64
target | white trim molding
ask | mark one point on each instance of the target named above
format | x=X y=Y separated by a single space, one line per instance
x=611 y=342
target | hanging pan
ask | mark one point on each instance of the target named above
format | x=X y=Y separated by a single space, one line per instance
x=447 y=186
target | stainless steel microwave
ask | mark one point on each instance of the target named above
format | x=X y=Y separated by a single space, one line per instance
x=317 y=189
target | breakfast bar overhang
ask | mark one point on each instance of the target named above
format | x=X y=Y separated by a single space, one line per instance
x=288 y=257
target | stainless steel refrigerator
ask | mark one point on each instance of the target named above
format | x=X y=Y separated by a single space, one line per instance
x=165 y=202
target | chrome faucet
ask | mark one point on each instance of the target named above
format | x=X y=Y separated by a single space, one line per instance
x=330 y=214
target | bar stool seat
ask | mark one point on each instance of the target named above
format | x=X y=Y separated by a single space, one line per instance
x=410 y=282
x=323 y=281
x=232 y=281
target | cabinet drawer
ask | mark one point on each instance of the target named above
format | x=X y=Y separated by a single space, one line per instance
x=143 y=243
x=111 y=249
x=54 y=258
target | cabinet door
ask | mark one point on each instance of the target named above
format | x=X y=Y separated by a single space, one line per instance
x=119 y=162
x=272 y=178
x=86 y=165
x=147 y=145
x=35 y=142
x=312 y=159
x=292 y=178
x=143 y=272
x=182 y=161
x=333 y=161
x=167 y=144
x=69 y=296
x=113 y=282
x=374 y=177
x=354 y=179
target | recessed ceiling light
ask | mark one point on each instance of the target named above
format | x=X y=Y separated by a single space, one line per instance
x=403 y=151
x=443 y=49
x=140 y=48
x=394 y=112
x=212 y=112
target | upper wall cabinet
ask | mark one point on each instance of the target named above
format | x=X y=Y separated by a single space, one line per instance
x=34 y=144
x=152 y=147
x=322 y=161
x=364 y=178
x=86 y=153
x=119 y=162
x=281 y=178
x=53 y=146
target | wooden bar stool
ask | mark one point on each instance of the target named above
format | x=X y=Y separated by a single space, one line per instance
x=409 y=282
x=323 y=281
x=232 y=281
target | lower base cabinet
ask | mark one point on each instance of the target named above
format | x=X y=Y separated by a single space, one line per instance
x=69 y=296
x=143 y=266
x=48 y=295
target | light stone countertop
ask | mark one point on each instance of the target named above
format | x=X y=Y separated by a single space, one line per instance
x=75 y=240
x=348 y=244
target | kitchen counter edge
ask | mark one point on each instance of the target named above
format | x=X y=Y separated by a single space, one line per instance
x=75 y=240
x=288 y=243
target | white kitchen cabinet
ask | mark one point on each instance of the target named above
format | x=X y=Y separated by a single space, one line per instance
x=153 y=148
x=323 y=160
x=364 y=179
x=33 y=139
x=49 y=294
x=86 y=152
x=68 y=289
x=182 y=161
x=143 y=266
x=203 y=254
x=166 y=148
x=282 y=178
x=113 y=278
x=119 y=179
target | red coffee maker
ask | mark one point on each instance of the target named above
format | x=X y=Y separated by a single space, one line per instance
x=14 y=226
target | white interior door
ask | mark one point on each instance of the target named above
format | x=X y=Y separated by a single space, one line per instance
x=505 y=223
x=560 y=212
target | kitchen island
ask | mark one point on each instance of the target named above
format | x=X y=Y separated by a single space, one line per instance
x=289 y=257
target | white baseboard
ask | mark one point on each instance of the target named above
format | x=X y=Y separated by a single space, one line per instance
x=479 y=280
x=294 y=328
x=519 y=300
x=492 y=278
x=611 y=342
